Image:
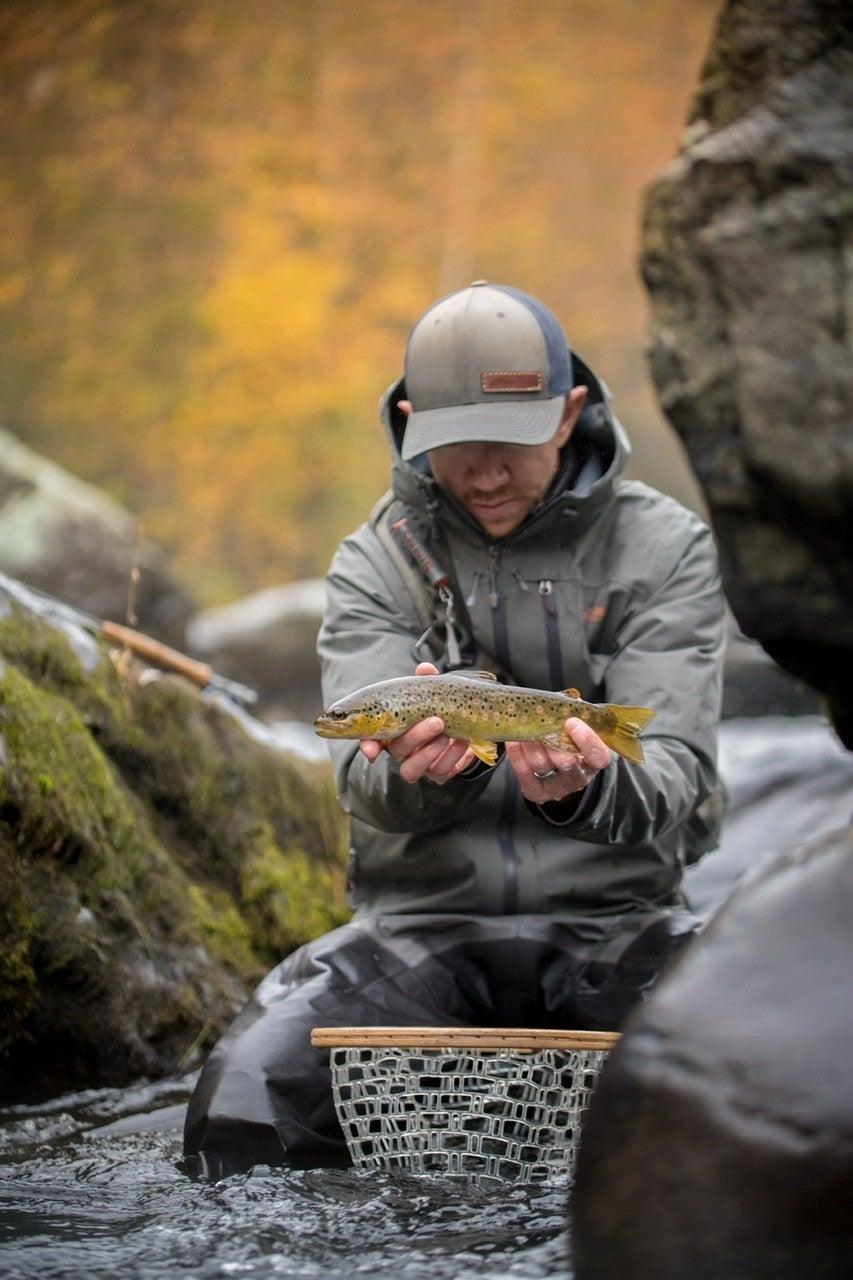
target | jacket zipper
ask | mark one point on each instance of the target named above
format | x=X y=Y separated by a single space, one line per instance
x=498 y=608
x=506 y=821
x=552 y=633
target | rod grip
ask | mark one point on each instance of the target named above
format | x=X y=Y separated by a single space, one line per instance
x=201 y=673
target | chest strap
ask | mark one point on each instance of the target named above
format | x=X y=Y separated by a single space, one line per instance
x=447 y=638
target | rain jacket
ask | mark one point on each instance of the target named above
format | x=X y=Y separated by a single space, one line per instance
x=607 y=586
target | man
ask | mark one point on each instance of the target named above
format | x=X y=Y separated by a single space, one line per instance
x=545 y=891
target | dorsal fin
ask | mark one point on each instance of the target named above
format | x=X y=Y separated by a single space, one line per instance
x=573 y=693
x=476 y=675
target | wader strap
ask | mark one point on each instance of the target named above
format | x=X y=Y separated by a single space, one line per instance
x=439 y=605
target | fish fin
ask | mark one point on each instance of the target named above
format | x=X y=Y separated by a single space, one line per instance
x=485 y=751
x=560 y=741
x=573 y=693
x=476 y=675
x=630 y=722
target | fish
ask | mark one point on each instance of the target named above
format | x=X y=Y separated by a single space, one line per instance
x=477 y=709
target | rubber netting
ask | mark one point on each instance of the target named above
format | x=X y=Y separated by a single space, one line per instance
x=503 y=1113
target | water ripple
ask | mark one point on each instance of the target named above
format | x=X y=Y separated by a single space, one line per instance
x=89 y=1185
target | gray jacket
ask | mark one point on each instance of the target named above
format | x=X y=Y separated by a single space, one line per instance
x=608 y=586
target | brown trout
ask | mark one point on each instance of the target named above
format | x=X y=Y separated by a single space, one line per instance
x=477 y=709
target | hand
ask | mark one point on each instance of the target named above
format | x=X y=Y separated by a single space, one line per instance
x=425 y=750
x=572 y=771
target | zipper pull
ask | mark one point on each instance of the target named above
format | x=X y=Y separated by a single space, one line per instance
x=475 y=586
x=525 y=586
x=494 y=578
x=546 y=591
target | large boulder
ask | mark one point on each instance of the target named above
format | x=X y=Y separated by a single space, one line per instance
x=720 y=1141
x=69 y=538
x=157 y=854
x=719 y=1144
x=268 y=640
x=746 y=253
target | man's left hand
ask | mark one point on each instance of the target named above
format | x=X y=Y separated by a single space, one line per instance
x=546 y=774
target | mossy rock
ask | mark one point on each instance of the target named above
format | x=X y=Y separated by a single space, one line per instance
x=155 y=858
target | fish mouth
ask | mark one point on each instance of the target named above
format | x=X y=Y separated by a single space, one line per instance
x=326 y=726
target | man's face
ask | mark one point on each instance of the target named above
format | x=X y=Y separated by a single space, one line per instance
x=499 y=484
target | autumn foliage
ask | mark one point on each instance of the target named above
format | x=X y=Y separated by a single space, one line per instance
x=218 y=222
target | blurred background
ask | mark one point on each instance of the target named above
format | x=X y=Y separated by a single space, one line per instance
x=219 y=221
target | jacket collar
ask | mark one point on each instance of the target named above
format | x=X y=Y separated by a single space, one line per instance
x=600 y=447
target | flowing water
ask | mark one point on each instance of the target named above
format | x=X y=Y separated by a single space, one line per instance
x=90 y=1184
x=90 y=1187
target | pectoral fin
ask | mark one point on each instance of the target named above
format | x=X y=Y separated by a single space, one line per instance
x=485 y=751
x=477 y=675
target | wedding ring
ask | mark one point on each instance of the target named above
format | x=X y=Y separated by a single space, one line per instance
x=545 y=777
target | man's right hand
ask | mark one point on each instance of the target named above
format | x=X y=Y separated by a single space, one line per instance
x=425 y=750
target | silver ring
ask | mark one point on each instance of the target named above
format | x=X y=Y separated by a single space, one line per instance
x=545 y=777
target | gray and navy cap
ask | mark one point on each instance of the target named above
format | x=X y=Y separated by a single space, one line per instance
x=487 y=363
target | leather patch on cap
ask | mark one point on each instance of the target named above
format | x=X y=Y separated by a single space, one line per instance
x=518 y=380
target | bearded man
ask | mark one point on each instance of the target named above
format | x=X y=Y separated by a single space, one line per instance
x=544 y=892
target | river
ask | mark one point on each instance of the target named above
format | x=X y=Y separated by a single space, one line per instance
x=90 y=1183
x=90 y=1187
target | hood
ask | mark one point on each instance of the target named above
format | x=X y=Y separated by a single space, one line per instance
x=599 y=447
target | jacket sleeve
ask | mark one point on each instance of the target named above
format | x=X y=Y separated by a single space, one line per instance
x=668 y=656
x=367 y=635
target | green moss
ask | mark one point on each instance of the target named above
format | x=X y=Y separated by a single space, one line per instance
x=153 y=858
x=290 y=895
x=18 y=981
x=43 y=653
x=223 y=930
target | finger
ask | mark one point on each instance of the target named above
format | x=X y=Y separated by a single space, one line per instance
x=536 y=757
x=518 y=754
x=426 y=669
x=416 y=737
x=413 y=768
x=541 y=790
x=371 y=749
x=593 y=749
x=448 y=763
x=466 y=760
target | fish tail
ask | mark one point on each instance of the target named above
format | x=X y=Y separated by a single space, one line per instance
x=624 y=737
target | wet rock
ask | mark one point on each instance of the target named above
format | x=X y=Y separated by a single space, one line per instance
x=747 y=243
x=155 y=859
x=719 y=1143
x=268 y=641
x=754 y=685
x=720 y=1140
x=73 y=540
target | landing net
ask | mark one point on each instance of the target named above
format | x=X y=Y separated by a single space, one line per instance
x=496 y=1112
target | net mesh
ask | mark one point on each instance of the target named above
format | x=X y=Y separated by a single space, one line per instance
x=467 y=1112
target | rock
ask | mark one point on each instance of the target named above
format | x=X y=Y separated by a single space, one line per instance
x=71 y=539
x=746 y=253
x=719 y=1143
x=754 y=685
x=155 y=860
x=268 y=641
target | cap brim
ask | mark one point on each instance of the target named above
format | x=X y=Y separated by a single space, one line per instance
x=504 y=422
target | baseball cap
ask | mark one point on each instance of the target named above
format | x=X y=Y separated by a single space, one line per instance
x=487 y=363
